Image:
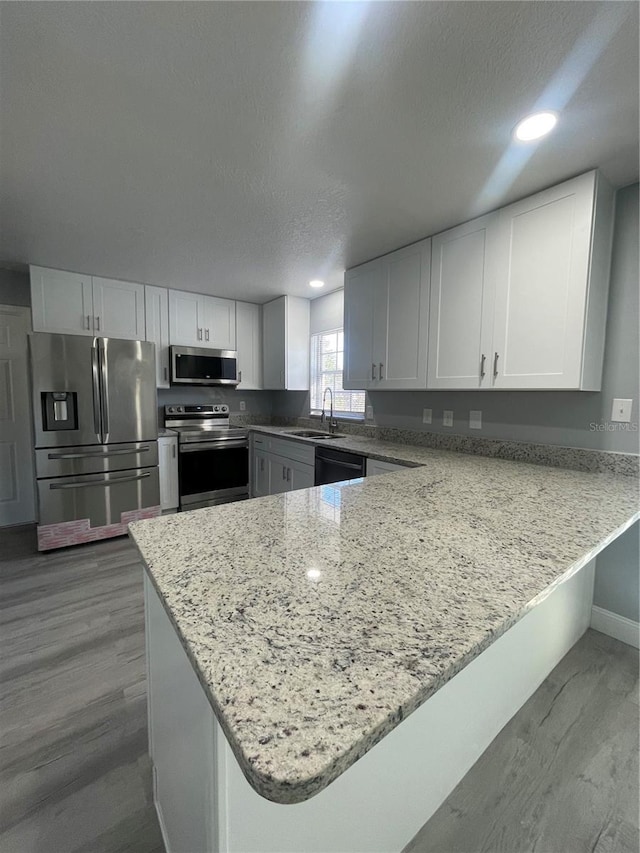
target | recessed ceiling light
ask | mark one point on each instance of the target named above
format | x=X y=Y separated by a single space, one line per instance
x=534 y=126
x=316 y=283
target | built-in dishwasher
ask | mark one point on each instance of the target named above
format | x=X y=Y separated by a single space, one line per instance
x=333 y=466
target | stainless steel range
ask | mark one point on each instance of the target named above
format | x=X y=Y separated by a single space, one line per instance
x=213 y=458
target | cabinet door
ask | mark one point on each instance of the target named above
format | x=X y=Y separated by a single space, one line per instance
x=219 y=323
x=156 y=312
x=545 y=244
x=461 y=317
x=278 y=481
x=401 y=318
x=361 y=286
x=300 y=476
x=118 y=308
x=260 y=474
x=186 y=319
x=61 y=302
x=249 y=345
x=168 y=471
x=274 y=344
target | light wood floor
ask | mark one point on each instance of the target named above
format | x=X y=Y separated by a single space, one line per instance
x=562 y=777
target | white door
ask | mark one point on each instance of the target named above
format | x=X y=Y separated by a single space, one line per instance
x=61 y=302
x=249 y=345
x=260 y=474
x=17 y=504
x=118 y=308
x=156 y=311
x=361 y=285
x=541 y=292
x=185 y=310
x=401 y=318
x=278 y=482
x=461 y=317
x=300 y=476
x=274 y=343
x=219 y=323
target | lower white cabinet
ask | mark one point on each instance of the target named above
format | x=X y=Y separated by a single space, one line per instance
x=168 y=471
x=375 y=466
x=280 y=465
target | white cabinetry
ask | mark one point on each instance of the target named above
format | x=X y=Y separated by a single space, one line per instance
x=386 y=320
x=201 y=321
x=249 y=345
x=376 y=466
x=286 y=344
x=156 y=308
x=519 y=296
x=280 y=465
x=76 y=304
x=168 y=472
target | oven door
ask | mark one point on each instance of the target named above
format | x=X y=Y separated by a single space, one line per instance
x=213 y=472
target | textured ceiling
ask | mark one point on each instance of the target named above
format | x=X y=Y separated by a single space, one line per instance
x=244 y=148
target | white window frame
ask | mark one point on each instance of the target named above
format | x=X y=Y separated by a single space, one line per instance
x=315 y=405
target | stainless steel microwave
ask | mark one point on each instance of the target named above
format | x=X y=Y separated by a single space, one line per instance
x=196 y=366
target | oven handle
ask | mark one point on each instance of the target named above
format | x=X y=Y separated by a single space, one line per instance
x=195 y=446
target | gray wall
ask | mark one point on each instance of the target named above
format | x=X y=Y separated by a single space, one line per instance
x=14 y=287
x=617 y=585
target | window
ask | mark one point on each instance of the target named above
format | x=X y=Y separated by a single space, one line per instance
x=327 y=350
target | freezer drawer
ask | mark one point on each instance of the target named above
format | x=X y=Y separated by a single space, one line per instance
x=95 y=459
x=100 y=498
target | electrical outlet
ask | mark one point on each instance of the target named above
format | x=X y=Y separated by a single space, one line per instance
x=447 y=418
x=369 y=413
x=475 y=419
x=621 y=412
x=427 y=416
x=243 y=406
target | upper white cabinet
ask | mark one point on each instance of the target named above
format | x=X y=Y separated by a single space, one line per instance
x=519 y=296
x=387 y=320
x=118 y=308
x=76 y=304
x=201 y=321
x=249 y=345
x=156 y=306
x=286 y=344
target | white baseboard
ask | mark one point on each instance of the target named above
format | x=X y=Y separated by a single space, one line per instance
x=618 y=627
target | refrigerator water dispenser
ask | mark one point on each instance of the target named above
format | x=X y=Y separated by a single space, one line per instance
x=59 y=410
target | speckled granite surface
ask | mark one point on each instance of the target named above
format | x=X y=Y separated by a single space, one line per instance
x=319 y=619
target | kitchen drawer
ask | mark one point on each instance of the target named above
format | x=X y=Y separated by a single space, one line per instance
x=295 y=450
x=95 y=459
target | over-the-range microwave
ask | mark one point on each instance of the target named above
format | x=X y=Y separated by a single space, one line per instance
x=196 y=366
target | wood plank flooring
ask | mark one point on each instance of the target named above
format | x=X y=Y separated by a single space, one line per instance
x=562 y=777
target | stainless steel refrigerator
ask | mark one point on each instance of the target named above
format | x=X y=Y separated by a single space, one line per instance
x=95 y=433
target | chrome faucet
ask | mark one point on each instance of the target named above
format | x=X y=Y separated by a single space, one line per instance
x=332 y=423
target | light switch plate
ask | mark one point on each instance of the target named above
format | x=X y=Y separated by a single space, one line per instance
x=427 y=416
x=243 y=406
x=447 y=418
x=369 y=413
x=621 y=411
x=475 y=419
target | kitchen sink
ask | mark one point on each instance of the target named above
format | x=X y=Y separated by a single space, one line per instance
x=312 y=433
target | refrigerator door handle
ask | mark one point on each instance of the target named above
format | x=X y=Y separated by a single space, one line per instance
x=95 y=370
x=104 y=483
x=104 y=392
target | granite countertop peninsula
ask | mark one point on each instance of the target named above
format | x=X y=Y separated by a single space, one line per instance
x=317 y=620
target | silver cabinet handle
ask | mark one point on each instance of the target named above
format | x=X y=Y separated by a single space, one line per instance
x=262 y=464
x=105 y=453
x=206 y=334
x=239 y=376
x=380 y=372
x=199 y=334
x=88 y=321
x=173 y=449
x=373 y=370
x=284 y=473
x=495 y=364
x=288 y=475
x=166 y=374
x=482 y=370
x=104 y=483
x=96 y=321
